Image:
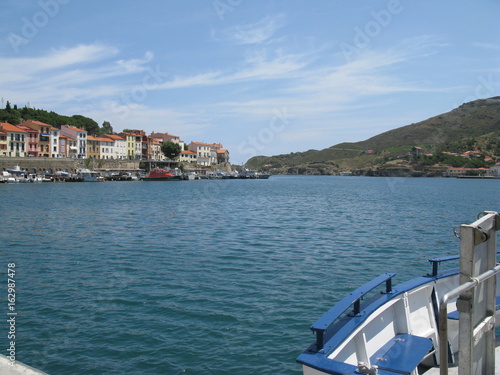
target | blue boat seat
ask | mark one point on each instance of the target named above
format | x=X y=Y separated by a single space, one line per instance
x=455 y=314
x=402 y=353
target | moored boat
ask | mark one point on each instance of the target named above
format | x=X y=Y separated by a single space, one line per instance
x=87 y=175
x=442 y=321
x=249 y=173
x=161 y=175
x=13 y=175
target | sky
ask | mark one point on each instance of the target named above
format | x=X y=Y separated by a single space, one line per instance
x=262 y=77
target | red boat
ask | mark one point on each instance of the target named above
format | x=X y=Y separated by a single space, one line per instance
x=161 y=175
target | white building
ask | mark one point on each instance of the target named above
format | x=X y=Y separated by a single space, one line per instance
x=120 y=146
x=16 y=139
x=203 y=153
x=495 y=170
x=106 y=148
x=188 y=157
x=81 y=139
x=54 y=143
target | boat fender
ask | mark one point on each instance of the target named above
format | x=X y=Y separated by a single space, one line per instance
x=363 y=368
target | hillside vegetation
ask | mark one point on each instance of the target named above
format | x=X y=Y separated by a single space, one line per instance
x=14 y=115
x=472 y=126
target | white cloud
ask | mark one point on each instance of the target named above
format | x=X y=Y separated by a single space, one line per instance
x=140 y=116
x=490 y=46
x=252 y=33
x=81 y=73
x=256 y=66
x=57 y=59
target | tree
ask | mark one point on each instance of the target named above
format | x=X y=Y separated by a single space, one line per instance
x=86 y=123
x=171 y=149
x=107 y=128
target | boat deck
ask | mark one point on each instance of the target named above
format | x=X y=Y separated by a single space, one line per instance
x=18 y=368
x=454 y=370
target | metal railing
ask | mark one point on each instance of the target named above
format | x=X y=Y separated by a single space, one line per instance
x=443 y=314
x=478 y=265
x=321 y=326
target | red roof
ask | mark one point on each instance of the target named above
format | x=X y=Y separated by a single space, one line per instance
x=29 y=130
x=161 y=135
x=114 y=137
x=74 y=128
x=37 y=123
x=11 y=128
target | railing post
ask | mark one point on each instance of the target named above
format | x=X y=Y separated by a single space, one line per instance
x=319 y=340
x=357 y=308
x=435 y=268
x=388 y=286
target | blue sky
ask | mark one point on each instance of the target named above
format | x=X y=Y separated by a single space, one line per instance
x=260 y=77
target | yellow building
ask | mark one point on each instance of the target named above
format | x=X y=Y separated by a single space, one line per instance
x=93 y=147
x=3 y=143
x=130 y=141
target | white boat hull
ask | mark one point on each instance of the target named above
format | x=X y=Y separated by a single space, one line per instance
x=401 y=330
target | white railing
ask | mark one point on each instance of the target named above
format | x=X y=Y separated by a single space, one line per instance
x=478 y=267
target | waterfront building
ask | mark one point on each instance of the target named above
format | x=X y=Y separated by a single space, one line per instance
x=218 y=154
x=202 y=150
x=100 y=147
x=216 y=146
x=213 y=156
x=106 y=148
x=71 y=147
x=156 y=153
x=3 y=143
x=32 y=143
x=55 y=134
x=134 y=143
x=222 y=156
x=460 y=172
x=130 y=143
x=80 y=136
x=165 y=137
x=63 y=146
x=187 y=156
x=92 y=147
x=148 y=152
x=44 y=134
x=495 y=170
x=15 y=140
x=119 y=146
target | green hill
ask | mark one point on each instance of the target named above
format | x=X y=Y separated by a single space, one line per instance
x=472 y=126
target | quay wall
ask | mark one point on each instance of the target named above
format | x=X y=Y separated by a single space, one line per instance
x=41 y=165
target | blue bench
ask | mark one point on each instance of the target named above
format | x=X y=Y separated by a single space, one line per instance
x=455 y=314
x=402 y=353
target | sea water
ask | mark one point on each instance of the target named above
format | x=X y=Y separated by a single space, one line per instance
x=209 y=276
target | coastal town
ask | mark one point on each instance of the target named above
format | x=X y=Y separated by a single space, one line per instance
x=43 y=152
x=38 y=139
x=40 y=148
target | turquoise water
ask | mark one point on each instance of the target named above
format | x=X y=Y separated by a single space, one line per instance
x=210 y=277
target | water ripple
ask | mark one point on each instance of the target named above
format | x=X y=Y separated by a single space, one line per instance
x=211 y=277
